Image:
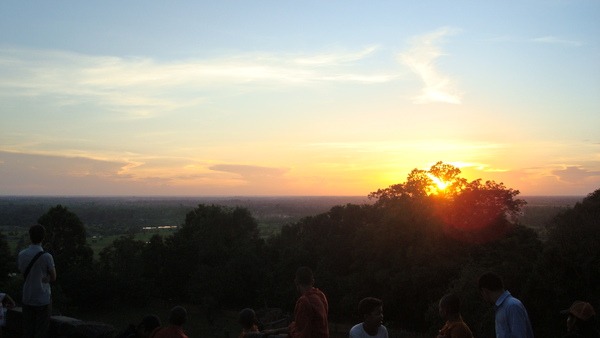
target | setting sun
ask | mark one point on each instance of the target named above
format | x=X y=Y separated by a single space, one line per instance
x=243 y=102
x=439 y=184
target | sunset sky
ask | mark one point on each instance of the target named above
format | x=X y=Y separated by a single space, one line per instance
x=296 y=97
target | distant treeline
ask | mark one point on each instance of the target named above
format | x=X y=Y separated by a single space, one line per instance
x=409 y=247
x=118 y=215
x=106 y=216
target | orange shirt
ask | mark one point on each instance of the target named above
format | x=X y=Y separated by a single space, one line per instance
x=310 y=316
x=171 y=331
x=254 y=328
x=455 y=329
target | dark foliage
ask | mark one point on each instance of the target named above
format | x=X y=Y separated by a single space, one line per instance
x=73 y=258
x=7 y=264
x=216 y=255
x=414 y=244
x=569 y=268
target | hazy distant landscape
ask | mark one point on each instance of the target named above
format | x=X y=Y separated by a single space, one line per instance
x=107 y=218
x=118 y=214
x=142 y=238
x=159 y=211
x=197 y=153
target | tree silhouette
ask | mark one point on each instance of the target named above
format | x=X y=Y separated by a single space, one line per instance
x=569 y=269
x=7 y=260
x=122 y=267
x=215 y=255
x=73 y=257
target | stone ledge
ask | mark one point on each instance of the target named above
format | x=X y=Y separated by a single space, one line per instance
x=60 y=327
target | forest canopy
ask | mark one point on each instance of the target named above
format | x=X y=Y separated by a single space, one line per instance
x=433 y=234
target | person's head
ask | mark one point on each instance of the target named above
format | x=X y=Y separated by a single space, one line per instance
x=178 y=316
x=490 y=285
x=580 y=316
x=147 y=325
x=304 y=278
x=449 y=306
x=247 y=318
x=37 y=233
x=371 y=310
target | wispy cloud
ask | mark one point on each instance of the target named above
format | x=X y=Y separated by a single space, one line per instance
x=36 y=174
x=336 y=58
x=545 y=39
x=250 y=171
x=555 y=40
x=420 y=58
x=574 y=174
x=144 y=87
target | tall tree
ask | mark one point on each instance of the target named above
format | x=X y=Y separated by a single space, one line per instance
x=122 y=267
x=66 y=239
x=73 y=257
x=7 y=260
x=471 y=211
x=480 y=212
x=569 y=269
x=215 y=255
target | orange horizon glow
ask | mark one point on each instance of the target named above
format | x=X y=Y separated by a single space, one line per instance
x=332 y=109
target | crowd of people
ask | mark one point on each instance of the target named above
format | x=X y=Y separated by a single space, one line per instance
x=310 y=313
x=311 y=316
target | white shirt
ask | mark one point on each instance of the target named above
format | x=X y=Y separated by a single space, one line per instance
x=36 y=292
x=358 y=331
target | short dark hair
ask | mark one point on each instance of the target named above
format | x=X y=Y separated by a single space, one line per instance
x=368 y=304
x=149 y=322
x=37 y=233
x=178 y=316
x=304 y=276
x=450 y=303
x=491 y=281
x=247 y=318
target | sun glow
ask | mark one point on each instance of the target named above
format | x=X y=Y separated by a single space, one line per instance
x=439 y=184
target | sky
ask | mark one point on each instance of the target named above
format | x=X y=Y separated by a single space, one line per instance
x=277 y=98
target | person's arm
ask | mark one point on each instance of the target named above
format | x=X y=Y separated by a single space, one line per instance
x=8 y=302
x=281 y=330
x=51 y=276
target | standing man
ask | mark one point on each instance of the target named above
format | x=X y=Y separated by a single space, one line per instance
x=38 y=271
x=310 y=314
x=511 y=316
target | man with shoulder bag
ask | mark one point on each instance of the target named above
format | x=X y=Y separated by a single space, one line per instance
x=38 y=271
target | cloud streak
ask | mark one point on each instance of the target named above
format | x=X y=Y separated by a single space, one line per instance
x=555 y=40
x=251 y=171
x=575 y=174
x=420 y=58
x=546 y=39
x=144 y=87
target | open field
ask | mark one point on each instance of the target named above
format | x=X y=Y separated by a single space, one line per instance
x=97 y=243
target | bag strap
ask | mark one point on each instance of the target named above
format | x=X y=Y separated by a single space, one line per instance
x=26 y=273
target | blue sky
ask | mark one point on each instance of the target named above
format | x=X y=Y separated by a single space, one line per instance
x=296 y=98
